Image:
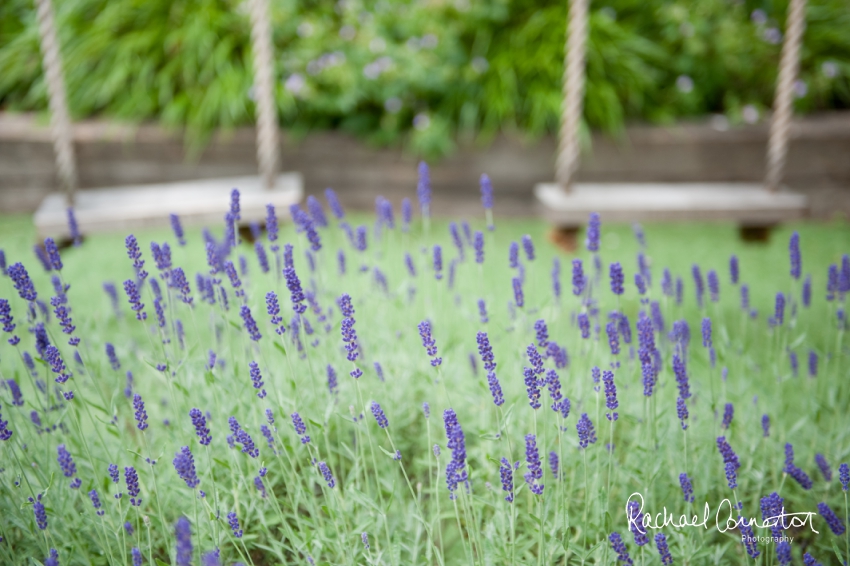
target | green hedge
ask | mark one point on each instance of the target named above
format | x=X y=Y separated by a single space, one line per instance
x=424 y=74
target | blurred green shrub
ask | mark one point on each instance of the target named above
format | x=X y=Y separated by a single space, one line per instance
x=424 y=73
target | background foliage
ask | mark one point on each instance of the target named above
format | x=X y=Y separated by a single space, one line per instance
x=422 y=73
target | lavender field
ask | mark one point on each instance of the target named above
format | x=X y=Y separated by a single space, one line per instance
x=334 y=388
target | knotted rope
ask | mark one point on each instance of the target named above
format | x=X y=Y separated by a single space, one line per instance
x=573 y=89
x=780 y=126
x=267 y=134
x=60 y=122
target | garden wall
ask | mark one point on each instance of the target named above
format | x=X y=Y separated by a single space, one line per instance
x=110 y=154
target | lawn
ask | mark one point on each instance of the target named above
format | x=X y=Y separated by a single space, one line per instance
x=302 y=459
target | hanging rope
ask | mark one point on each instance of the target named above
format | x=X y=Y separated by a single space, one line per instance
x=573 y=90
x=267 y=135
x=60 y=122
x=780 y=126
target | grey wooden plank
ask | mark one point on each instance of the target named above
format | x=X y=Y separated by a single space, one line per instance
x=139 y=206
x=619 y=202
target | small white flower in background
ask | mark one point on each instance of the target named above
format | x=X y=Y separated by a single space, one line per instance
x=830 y=69
x=421 y=121
x=252 y=94
x=393 y=105
x=685 y=84
x=347 y=32
x=686 y=29
x=374 y=69
x=750 y=114
x=758 y=17
x=377 y=45
x=429 y=41
x=480 y=64
x=720 y=122
x=295 y=83
x=305 y=29
x=801 y=89
x=772 y=35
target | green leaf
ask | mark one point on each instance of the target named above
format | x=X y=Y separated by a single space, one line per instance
x=280 y=347
x=385 y=451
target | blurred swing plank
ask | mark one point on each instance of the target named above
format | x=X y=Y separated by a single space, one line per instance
x=150 y=205
x=567 y=204
x=142 y=206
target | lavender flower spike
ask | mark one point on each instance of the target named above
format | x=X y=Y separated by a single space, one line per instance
x=184 y=464
x=794 y=254
x=535 y=470
x=429 y=343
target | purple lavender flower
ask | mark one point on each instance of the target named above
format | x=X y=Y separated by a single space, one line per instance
x=713 y=286
x=22 y=282
x=273 y=310
x=667 y=283
x=687 y=488
x=584 y=325
x=727 y=453
x=794 y=254
x=820 y=460
x=135 y=254
x=615 y=272
x=779 y=311
x=7 y=321
x=699 y=287
x=57 y=365
x=535 y=470
x=486 y=192
x=200 y=424
x=66 y=462
x=316 y=211
x=41 y=255
x=178 y=229
x=733 y=269
x=326 y=473
x=183 y=534
x=95 y=501
x=586 y=432
x=294 y=286
x=619 y=548
x=613 y=336
x=333 y=384
x=593 y=232
x=379 y=415
x=813 y=364
x=636 y=523
x=184 y=464
x=334 y=203
x=257 y=379
x=300 y=428
x=423 y=189
x=131 y=478
x=478 y=245
x=513 y=255
x=745 y=297
x=731 y=475
x=429 y=343
x=455 y=472
x=844 y=476
x=134 y=297
x=506 y=473
x=53 y=254
x=728 y=414
x=17 y=397
x=141 y=415
x=765 y=426
x=243 y=438
x=640 y=283
x=250 y=324
x=808 y=560
x=679 y=290
x=39 y=512
x=519 y=300
x=610 y=395
x=233 y=522
x=835 y=524
x=807 y=292
x=438 y=262
x=682 y=412
x=74 y=228
x=528 y=247
x=663 y=550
